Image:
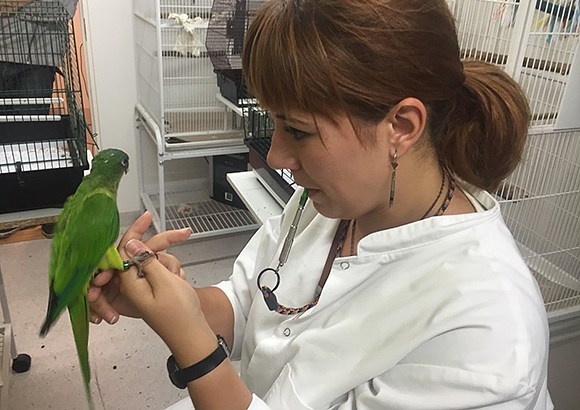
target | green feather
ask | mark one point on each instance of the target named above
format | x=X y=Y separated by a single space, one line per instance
x=79 y=319
x=111 y=260
x=84 y=240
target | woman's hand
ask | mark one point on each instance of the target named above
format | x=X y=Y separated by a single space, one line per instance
x=168 y=304
x=105 y=299
x=171 y=307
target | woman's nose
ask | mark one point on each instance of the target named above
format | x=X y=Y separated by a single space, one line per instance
x=281 y=155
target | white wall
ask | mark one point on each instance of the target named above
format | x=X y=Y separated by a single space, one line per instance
x=112 y=87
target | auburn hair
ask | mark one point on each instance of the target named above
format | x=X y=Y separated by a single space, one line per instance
x=362 y=57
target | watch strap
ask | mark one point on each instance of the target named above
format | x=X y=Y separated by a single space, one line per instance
x=181 y=377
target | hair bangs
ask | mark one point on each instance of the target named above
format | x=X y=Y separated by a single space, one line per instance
x=285 y=64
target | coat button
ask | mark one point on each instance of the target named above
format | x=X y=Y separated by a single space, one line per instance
x=345 y=265
x=287 y=332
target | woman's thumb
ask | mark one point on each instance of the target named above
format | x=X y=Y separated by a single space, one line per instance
x=146 y=261
x=134 y=247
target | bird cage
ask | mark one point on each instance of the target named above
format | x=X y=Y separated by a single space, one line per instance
x=176 y=83
x=537 y=42
x=225 y=40
x=181 y=109
x=43 y=134
x=227 y=28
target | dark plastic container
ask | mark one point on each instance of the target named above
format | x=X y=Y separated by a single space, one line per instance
x=221 y=190
x=231 y=85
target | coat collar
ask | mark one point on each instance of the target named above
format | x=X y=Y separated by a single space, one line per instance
x=432 y=229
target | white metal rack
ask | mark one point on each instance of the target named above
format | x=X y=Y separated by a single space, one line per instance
x=5 y=346
x=181 y=111
x=537 y=43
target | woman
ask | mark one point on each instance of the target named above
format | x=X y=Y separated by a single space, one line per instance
x=404 y=289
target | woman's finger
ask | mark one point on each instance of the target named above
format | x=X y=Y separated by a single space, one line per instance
x=102 y=309
x=164 y=240
x=94 y=318
x=156 y=274
x=103 y=278
x=94 y=293
x=137 y=229
x=170 y=262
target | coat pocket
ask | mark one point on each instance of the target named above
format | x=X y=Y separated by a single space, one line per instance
x=282 y=395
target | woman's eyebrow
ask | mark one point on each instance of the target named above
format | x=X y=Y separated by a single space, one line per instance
x=284 y=118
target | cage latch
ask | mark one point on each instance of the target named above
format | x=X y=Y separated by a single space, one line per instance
x=19 y=173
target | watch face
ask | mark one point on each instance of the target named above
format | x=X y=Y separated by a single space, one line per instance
x=172 y=369
x=224 y=345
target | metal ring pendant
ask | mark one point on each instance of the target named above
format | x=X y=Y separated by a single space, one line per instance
x=275 y=273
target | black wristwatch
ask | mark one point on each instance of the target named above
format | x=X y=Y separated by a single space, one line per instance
x=180 y=377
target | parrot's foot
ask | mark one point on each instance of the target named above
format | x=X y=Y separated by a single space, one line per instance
x=137 y=261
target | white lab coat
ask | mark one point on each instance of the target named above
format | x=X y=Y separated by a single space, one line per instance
x=437 y=314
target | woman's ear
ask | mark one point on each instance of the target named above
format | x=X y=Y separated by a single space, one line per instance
x=404 y=124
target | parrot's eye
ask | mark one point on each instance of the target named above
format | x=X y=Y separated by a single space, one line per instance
x=125 y=162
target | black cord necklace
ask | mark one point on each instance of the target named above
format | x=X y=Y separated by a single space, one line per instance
x=352 y=224
x=438 y=195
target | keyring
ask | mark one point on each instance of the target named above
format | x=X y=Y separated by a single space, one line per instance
x=275 y=273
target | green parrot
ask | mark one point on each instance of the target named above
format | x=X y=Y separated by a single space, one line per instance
x=84 y=242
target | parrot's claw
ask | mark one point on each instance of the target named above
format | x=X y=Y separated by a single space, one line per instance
x=137 y=261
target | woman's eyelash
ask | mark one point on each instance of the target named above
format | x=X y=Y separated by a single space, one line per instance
x=295 y=133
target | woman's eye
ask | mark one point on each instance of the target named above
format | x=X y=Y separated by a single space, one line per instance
x=297 y=134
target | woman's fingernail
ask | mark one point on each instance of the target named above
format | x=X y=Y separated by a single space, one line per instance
x=133 y=247
x=113 y=319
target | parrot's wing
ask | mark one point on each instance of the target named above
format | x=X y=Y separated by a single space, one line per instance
x=90 y=227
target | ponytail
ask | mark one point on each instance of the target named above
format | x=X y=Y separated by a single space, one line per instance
x=482 y=134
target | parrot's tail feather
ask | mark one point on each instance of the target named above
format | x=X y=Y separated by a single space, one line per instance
x=51 y=313
x=79 y=318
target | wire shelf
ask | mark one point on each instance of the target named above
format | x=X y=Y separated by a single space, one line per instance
x=207 y=124
x=40 y=155
x=205 y=217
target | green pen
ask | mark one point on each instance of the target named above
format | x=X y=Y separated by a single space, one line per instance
x=292 y=231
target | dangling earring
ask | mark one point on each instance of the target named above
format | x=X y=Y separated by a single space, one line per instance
x=394 y=164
